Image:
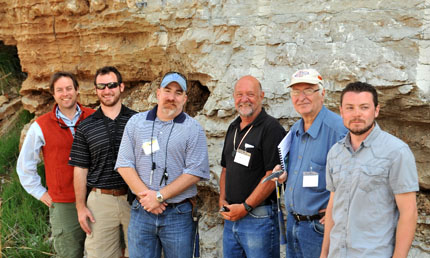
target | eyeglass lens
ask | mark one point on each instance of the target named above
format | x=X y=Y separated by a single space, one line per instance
x=110 y=85
x=307 y=92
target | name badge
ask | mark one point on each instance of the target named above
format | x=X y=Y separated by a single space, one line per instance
x=242 y=157
x=146 y=146
x=310 y=179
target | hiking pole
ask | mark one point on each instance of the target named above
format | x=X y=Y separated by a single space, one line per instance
x=280 y=215
x=196 y=218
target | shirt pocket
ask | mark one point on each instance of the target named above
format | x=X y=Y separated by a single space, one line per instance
x=373 y=178
x=320 y=169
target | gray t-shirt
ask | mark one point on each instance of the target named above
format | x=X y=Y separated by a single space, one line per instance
x=365 y=183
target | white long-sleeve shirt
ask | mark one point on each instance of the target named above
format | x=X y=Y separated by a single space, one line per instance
x=29 y=156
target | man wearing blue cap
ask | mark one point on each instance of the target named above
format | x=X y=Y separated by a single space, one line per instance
x=163 y=154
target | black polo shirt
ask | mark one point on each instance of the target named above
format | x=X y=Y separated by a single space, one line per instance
x=264 y=136
x=96 y=148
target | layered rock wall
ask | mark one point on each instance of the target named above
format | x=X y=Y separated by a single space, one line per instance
x=214 y=42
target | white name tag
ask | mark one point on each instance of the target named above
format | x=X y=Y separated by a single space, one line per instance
x=146 y=146
x=242 y=157
x=310 y=179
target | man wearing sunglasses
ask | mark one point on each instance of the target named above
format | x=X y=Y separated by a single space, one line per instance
x=52 y=133
x=312 y=136
x=93 y=155
x=163 y=155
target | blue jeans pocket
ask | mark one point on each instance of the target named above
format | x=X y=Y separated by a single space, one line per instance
x=318 y=227
x=135 y=205
x=184 y=208
x=261 y=212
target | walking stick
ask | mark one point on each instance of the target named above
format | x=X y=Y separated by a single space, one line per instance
x=280 y=215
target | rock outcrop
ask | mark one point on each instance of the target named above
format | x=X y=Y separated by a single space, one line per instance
x=214 y=42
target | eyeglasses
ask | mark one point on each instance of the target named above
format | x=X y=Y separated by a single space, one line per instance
x=110 y=85
x=63 y=125
x=307 y=92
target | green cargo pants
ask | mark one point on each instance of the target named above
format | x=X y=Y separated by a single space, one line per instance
x=67 y=234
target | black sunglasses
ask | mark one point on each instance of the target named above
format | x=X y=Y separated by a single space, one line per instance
x=110 y=85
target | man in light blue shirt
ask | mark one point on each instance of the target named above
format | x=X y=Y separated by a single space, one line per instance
x=163 y=154
x=373 y=180
x=312 y=136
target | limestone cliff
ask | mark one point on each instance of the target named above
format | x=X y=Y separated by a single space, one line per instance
x=214 y=42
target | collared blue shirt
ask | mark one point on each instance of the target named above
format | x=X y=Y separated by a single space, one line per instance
x=186 y=153
x=308 y=152
x=365 y=183
x=70 y=123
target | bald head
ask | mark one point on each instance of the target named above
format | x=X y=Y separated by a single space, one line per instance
x=248 y=97
x=249 y=79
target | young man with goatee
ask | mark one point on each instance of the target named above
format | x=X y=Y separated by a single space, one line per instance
x=372 y=179
x=94 y=152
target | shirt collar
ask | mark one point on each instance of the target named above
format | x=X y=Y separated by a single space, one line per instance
x=99 y=113
x=59 y=114
x=316 y=124
x=372 y=136
x=152 y=115
x=346 y=141
x=258 y=120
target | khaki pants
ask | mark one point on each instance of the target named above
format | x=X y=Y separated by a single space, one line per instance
x=111 y=213
x=66 y=232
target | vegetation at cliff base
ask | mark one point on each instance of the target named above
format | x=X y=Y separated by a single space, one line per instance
x=24 y=220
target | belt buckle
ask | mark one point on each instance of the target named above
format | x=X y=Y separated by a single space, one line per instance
x=297 y=217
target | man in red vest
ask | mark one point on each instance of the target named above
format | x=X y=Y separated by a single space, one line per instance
x=53 y=133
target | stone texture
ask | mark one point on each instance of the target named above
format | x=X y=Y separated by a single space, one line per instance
x=214 y=42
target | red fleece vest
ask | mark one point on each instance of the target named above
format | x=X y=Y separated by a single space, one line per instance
x=59 y=175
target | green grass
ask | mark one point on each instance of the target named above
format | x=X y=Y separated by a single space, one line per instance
x=9 y=143
x=24 y=220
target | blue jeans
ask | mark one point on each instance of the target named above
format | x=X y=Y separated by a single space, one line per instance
x=255 y=235
x=173 y=231
x=304 y=238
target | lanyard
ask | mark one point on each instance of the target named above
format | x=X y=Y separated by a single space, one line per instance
x=165 y=176
x=234 y=140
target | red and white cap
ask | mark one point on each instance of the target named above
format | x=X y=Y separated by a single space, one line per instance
x=310 y=76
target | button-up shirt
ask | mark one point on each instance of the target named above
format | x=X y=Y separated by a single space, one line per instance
x=186 y=151
x=308 y=152
x=365 y=183
x=69 y=122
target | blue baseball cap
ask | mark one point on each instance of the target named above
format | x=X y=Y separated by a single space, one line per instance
x=174 y=77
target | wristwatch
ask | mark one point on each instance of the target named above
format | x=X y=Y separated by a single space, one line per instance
x=160 y=197
x=247 y=207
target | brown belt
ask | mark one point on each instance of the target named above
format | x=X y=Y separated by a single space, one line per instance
x=114 y=192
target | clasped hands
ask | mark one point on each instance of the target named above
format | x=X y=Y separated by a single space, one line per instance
x=148 y=200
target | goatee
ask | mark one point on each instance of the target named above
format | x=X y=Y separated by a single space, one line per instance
x=361 y=131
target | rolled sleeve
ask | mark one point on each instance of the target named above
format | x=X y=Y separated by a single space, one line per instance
x=403 y=174
x=28 y=159
x=328 y=177
x=196 y=160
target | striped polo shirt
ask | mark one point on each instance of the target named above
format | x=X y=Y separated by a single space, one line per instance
x=186 y=150
x=96 y=148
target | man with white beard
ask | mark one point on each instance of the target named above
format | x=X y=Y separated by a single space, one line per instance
x=249 y=154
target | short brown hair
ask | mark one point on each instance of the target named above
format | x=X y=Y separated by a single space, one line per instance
x=59 y=75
